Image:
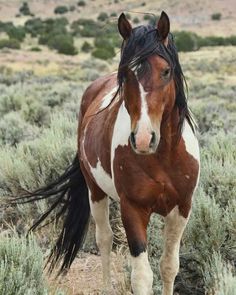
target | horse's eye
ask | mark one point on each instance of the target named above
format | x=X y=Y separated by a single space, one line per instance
x=166 y=73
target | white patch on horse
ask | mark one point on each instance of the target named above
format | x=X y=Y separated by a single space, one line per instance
x=191 y=142
x=104 y=237
x=191 y=145
x=169 y=264
x=101 y=177
x=142 y=275
x=121 y=133
x=108 y=98
x=103 y=180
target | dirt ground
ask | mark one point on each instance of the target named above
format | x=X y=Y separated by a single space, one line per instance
x=85 y=276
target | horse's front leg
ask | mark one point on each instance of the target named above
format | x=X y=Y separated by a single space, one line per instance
x=169 y=264
x=135 y=221
x=104 y=237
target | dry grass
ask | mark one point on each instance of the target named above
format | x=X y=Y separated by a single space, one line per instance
x=85 y=276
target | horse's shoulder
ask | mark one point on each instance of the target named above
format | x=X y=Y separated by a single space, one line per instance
x=99 y=87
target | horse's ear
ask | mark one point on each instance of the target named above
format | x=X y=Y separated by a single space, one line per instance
x=124 y=26
x=163 y=27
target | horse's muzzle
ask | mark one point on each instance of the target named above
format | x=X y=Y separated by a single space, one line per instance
x=144 y=143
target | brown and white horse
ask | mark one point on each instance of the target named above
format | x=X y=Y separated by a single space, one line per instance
x=136 y=144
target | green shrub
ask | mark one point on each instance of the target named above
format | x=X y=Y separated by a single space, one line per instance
x=21 y=267
x=35 y=112
x=218 y=168
x=212 y=41
x=72 y=8
x=81 y=3
x=14 y=129
x=9 y=43
x=136 y=20
x=231 y=40
x=104 y=53
x=102 y=16
x=186 y=41
x=4 y=27
x=63 y=44
x=17 y=33
x=219 y=276
x=85 y=28
x=35 y=163
x=86 y=47
x=113 y=14
x=216 y=16
x=35 y=48
x=61 y=9
x=34 y=26
x=108 y=36
x=147 y=16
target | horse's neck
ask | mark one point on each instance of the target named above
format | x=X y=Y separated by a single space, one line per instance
x=169 y=131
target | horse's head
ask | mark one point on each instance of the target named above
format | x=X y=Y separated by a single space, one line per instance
x=146 y=79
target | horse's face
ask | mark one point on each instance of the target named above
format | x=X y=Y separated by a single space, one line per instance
x=149 y=90
x=148 y=98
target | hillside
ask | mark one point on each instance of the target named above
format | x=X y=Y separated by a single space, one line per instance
x=185 y=15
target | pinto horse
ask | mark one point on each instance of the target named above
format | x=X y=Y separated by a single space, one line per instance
x=136 y=144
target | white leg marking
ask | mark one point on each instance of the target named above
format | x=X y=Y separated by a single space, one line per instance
x=142 y=275
x=169 y=264
x=104 y=237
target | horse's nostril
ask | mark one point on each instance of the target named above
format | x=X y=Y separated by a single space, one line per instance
x=132 y=139
x=153 y=140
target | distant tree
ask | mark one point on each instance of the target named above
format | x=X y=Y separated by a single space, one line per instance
x=61 y=9
x=24 y=9
x=81 y=3
x=103 y=16
x=216 y=16
x=86 y=47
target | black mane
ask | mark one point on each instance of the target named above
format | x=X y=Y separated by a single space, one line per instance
x=144 y=42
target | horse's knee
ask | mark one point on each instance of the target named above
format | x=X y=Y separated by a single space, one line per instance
x=104 y=238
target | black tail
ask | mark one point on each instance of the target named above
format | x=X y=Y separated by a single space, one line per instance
x=70 y=198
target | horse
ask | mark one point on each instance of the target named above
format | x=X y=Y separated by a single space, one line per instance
x=136 y=145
